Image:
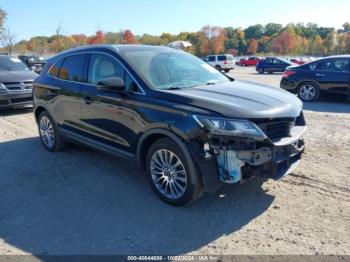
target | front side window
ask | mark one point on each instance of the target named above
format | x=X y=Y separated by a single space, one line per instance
x=164 y=69
x=211 y=58
x=72 y=68
x=103 y=66
x=341 y=65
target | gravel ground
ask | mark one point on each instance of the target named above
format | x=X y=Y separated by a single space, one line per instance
x=83 y=202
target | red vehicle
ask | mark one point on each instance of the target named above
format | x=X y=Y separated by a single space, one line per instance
x=251 y=61
x=297 y=61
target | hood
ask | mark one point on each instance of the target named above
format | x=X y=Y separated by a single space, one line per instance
x=17 y=76
x=240 y=99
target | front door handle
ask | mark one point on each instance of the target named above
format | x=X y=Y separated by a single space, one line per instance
x=88 y=100
x=320 y=75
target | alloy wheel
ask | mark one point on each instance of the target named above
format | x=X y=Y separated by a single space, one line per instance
x=47 y=132
x=168 y=174
x=307 y=92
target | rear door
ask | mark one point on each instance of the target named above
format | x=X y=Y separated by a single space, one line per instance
x=332 y=75
x=67 y=78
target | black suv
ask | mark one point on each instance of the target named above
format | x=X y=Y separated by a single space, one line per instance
x=190 y=127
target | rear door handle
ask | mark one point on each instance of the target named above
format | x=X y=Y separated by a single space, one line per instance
x=88 y=100
x=320 y=74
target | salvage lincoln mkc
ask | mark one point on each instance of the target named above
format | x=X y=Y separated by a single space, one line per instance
x=189 y=126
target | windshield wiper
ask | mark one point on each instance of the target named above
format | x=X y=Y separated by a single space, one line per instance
x=173 y=88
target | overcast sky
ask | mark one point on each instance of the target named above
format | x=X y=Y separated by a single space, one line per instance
x=41 y=17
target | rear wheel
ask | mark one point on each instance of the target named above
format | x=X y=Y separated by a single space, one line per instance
x=173 y=176
x=227 y=70
x=49 y=134
x=218 y=67
x=308 y=92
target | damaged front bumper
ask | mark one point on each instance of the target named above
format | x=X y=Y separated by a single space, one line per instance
x=230 y=160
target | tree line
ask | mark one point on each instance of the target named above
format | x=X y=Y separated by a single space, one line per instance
x=272 y=38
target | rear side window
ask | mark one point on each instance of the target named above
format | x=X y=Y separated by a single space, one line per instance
x=72 y=68
x=103 y=66
x=221 y=58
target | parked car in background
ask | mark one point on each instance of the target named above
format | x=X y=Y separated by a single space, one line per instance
x=16 y=82
x=224 y=62
x=271 y=65
x=251 y=61
x=297 y=61
x=329 y=75
x=190 y=127
x=34 y=62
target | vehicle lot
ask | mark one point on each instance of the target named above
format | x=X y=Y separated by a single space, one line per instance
x=83 y=202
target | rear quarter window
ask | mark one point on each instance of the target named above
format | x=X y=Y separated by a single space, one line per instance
x=221 y=58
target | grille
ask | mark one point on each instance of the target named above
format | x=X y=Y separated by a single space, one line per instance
x=19 y=86
x=20 y=100
x=275 y=130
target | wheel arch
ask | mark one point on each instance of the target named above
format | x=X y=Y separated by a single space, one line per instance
x=152 y=135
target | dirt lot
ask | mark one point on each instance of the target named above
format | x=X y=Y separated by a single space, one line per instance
x=83 y=202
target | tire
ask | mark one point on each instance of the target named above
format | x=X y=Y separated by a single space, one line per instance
x=185 y=186
x=227 y=70
x=218 y=68
x=270 y=72
x=308 y=92
x=261 y=71
x=49 y=133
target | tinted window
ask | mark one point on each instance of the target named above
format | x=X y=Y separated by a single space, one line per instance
x=72 y=68
x=341 y=65
x=103 y=66
x=211 y=58
x=55 y=69
x=221 y=58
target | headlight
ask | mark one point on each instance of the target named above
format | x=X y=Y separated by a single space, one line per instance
x=231 y=127
x=2 y=88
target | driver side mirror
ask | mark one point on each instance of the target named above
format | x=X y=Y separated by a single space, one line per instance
x=111 y=84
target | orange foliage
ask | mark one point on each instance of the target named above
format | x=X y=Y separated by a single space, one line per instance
x=129 y=37
x=99 y=38
x=212 y=39
x=283 y=44
x=253 y=46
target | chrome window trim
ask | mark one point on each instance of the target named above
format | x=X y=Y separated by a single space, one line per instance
x=96 y=52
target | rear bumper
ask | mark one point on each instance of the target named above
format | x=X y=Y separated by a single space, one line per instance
x=8 y=100
x=289 y=84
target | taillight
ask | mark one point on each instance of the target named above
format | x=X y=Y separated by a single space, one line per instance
x=288 y=73
x=225 y=62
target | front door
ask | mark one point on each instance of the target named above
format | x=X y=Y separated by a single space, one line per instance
x=106 y=116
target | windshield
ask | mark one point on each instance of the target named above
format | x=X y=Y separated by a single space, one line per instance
x=165 y=69
x=12 y=64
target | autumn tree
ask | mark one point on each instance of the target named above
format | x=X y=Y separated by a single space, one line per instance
x=80 y=39
x=346 y=27
x=212 y=39
x=99 y=38
x=8 y=40
x=129 y=38
x=254 y=32
x=283 y=43
x=252 y=46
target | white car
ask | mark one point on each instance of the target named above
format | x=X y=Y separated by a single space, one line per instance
x=221 y=62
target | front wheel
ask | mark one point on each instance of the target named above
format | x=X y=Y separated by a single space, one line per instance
x=173 y=176
x=308 y=92
x=49 y=134
x=261 y=71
